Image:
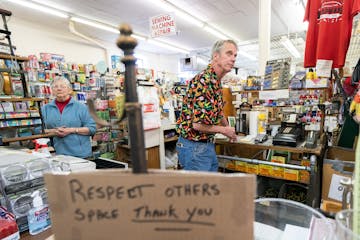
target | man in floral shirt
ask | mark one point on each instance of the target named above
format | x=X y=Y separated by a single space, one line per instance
x=202 y=112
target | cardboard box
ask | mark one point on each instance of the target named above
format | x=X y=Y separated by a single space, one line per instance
x=113 y=204
x=291 y=174
x=331 y=206
x=265 y=170
x=231 y=165
x=278 y=159
x=304 y=176
x=252 y=168
x=333 y=172
x=277 y=172
x=240 y=166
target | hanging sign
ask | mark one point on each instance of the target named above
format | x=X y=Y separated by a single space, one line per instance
x=162 y=25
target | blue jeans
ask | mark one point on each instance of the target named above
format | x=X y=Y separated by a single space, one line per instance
x=197 y=156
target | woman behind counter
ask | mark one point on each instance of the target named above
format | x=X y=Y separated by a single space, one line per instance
x=69 y=121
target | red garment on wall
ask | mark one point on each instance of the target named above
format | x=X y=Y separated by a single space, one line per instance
x=329 y=31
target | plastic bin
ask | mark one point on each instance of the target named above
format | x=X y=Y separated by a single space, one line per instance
x=278 y=219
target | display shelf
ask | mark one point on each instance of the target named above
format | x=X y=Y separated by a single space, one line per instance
x=250 y=153
x=171 y=139
x=16 y=118
x=20 y=99
x=9 y=70
x=16 y=58
x=21 y=126
x=163 y=141
x=7 y=118
x=257 y=162
x=15 y=139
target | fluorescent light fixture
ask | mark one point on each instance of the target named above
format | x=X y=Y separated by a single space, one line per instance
x=215 y=32
x=168 y=46
x=138 y=37
x=52 y=5
x=189 y=18
x=41 y=8
x=170 y=7
x=95 y=24
x=285 y=41
x=245 y=54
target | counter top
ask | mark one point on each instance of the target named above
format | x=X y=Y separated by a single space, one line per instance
x=268 y=145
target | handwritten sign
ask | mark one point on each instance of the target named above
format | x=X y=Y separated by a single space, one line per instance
x=158 y=205
x=162 y=25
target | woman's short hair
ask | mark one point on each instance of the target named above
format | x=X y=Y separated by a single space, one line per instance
x=220 y=44
x=61 y=78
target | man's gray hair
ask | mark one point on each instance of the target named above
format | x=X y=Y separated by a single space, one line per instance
x=61 y=78
x=220 y=44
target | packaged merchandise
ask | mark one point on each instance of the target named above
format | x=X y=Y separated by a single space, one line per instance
x=8 y=227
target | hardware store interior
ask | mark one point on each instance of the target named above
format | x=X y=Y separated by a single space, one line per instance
x=191 y=119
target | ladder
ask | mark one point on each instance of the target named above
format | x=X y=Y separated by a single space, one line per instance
x=5 y=13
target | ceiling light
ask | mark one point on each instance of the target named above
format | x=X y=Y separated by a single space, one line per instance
x=189 y=18
x=95 y=24
x=52 y=5
x=41 y=8
x=138 y=37
x=168 y=46
x=215 y=32
x=285 y=41
x=170 y=7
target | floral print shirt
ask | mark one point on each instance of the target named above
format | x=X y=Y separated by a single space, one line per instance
x=203 y=103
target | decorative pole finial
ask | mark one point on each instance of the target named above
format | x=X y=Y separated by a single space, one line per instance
x=133 y=108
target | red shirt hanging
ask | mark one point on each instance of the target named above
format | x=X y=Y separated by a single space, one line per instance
x=329 y=31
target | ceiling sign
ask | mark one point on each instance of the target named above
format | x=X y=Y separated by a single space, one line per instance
x=162 y=25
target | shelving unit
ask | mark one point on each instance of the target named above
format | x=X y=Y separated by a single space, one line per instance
x=253 y=154
x=6 y=117
x=164 y=141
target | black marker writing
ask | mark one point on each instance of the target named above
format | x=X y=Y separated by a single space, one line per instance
x=198 y=212
x=96 y=214
x=146 y=212
x=80 y=193
x=192 y=190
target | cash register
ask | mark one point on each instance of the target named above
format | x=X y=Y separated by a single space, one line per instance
x=289 y=134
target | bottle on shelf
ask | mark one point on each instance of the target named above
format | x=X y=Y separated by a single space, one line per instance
x=39 y=216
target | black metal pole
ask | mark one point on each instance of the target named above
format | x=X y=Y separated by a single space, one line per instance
x=133 y=108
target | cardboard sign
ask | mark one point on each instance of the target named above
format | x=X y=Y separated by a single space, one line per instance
x=162 y=25
x=116 y=204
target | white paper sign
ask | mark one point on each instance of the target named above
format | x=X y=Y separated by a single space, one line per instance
x=336 y=189
x=323 y=68
x=162 y=25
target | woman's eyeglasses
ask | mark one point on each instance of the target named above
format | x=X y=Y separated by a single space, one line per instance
x=59 y=86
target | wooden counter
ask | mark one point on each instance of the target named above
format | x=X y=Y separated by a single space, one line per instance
x=267 y=145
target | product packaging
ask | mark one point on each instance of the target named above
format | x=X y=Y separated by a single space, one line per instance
x=39 y=216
